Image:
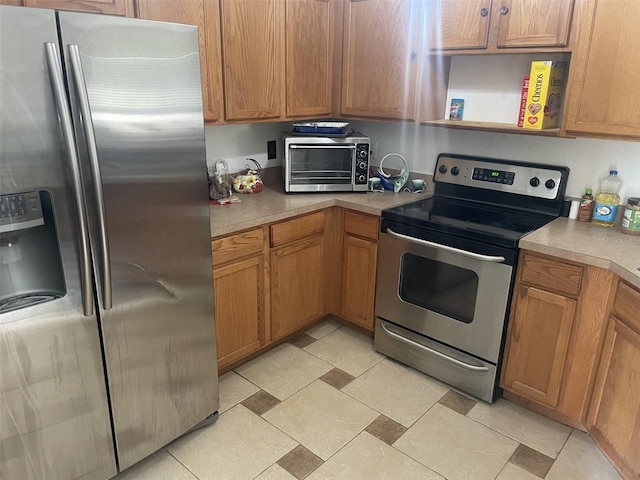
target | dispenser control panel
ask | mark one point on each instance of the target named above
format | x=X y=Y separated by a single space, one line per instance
x=19 y=211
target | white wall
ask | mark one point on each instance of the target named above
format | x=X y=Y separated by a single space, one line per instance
x=588 y=159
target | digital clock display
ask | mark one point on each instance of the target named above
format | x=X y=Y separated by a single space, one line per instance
x=493 y=176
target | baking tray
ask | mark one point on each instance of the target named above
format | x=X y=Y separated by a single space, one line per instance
x=321 y=128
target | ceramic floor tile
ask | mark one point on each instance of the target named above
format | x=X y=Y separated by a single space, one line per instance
x=512 y=472
x=531 y=460
x=368 y=458
x=283 y=370
x=159 y=466
x=233 y=390
x=300 y=462
x=240 y=445
x=302 y=340
x=580 y=459
x=275 y=472
x=346 y=349
x=323 y=328
x=455 y=446
x=457 y=402
x=260 y=402
x=337 y=378
x=535 y=431
x=397 y=391
x=321 y=418
x=386 y=429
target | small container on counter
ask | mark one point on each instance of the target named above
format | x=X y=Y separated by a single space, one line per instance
x=630 y=222
x=585 y=210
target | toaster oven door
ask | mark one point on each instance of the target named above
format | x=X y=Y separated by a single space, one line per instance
x=318 y=168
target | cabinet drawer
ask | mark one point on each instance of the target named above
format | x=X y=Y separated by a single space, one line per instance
x=297 y=229
x=360 y=225
x=236 y=246
x=551 y=275
x=626 y=305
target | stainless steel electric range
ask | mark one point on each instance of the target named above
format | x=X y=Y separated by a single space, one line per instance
x=446 y=266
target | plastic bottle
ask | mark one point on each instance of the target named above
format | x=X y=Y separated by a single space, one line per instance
x=607 y=200
x=585 y=211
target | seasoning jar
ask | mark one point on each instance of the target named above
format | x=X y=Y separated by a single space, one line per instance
x=630 y=222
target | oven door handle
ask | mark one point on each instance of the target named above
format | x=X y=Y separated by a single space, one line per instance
x=446 y=248
x=323 y=147
x=467 y=366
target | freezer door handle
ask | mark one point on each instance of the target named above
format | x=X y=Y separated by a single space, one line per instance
x=87 y=125
x=60 y=97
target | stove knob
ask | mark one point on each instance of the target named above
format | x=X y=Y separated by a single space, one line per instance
x=442 y=169
x=455 y=171
x=534 y=182
x=550 y=184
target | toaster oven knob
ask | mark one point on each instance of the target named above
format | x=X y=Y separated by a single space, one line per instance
x=361 y=178
x=534 y=182
x=442 y=169
x=455 y=171
x=362 y=166
x=362 y=153
x=550 y=184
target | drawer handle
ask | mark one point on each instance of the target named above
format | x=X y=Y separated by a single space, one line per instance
x=467 y=366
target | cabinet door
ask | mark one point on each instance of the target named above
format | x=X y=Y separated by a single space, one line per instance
x=533 y=23
x=205 y=14
x=310 y=27
x=358 y=281
x=111 y=7
x=459 y=24
x=602 y=93
x=381 y=49
x=253 y=55
x=537 y=344
x=238 y=291
x=615 y=408
x=296 y=286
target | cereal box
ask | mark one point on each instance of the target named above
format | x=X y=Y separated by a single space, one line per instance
x=546 y=85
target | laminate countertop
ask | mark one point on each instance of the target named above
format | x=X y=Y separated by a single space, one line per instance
x=272 y=205
x=588 y=243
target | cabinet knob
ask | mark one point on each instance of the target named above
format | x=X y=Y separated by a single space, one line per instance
x=504 y=10
x=484 y=12
x=413 y=56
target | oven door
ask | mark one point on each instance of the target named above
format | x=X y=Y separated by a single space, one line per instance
x=318 y=168
x=452 y=294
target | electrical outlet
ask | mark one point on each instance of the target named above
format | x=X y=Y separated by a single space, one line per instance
x=271 y=150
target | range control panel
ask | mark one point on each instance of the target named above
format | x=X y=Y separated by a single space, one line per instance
x=542 y=181
x=19 y=211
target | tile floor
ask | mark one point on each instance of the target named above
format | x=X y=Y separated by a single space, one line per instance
x=327 y=406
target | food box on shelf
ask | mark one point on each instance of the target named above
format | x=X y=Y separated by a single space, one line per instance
x=544 y=99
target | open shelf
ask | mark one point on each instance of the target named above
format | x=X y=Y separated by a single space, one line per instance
x=493 y=127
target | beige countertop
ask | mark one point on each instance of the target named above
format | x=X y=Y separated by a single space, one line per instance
x=588 y=243
x=273 y=205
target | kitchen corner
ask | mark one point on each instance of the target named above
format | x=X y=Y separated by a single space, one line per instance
x=590 y=244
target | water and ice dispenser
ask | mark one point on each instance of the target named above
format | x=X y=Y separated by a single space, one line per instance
x=30 y=263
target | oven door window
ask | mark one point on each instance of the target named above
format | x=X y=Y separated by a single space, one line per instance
x=316 y=164
x=440 y=287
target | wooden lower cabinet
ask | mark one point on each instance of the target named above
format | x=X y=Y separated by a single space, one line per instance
x=539 y=342
x=614 y=416
x=296 y=286
x=555 y=332
x=359 y=260
x=239 y=297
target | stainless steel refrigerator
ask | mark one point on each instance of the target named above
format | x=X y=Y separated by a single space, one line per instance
x=107 y=334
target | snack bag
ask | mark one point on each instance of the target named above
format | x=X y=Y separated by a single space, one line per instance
x=546 y=85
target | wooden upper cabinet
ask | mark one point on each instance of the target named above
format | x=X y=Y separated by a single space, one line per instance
x=498 y=24
x=205 y=14
x=459 y=24
x=253 y=57
x=602 y=93
x=381 y=50
x=309 y=47
x=533 y=23
x=111 y=7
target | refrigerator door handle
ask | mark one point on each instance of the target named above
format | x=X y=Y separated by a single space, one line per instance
x=87 y=124
x=60 y=97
